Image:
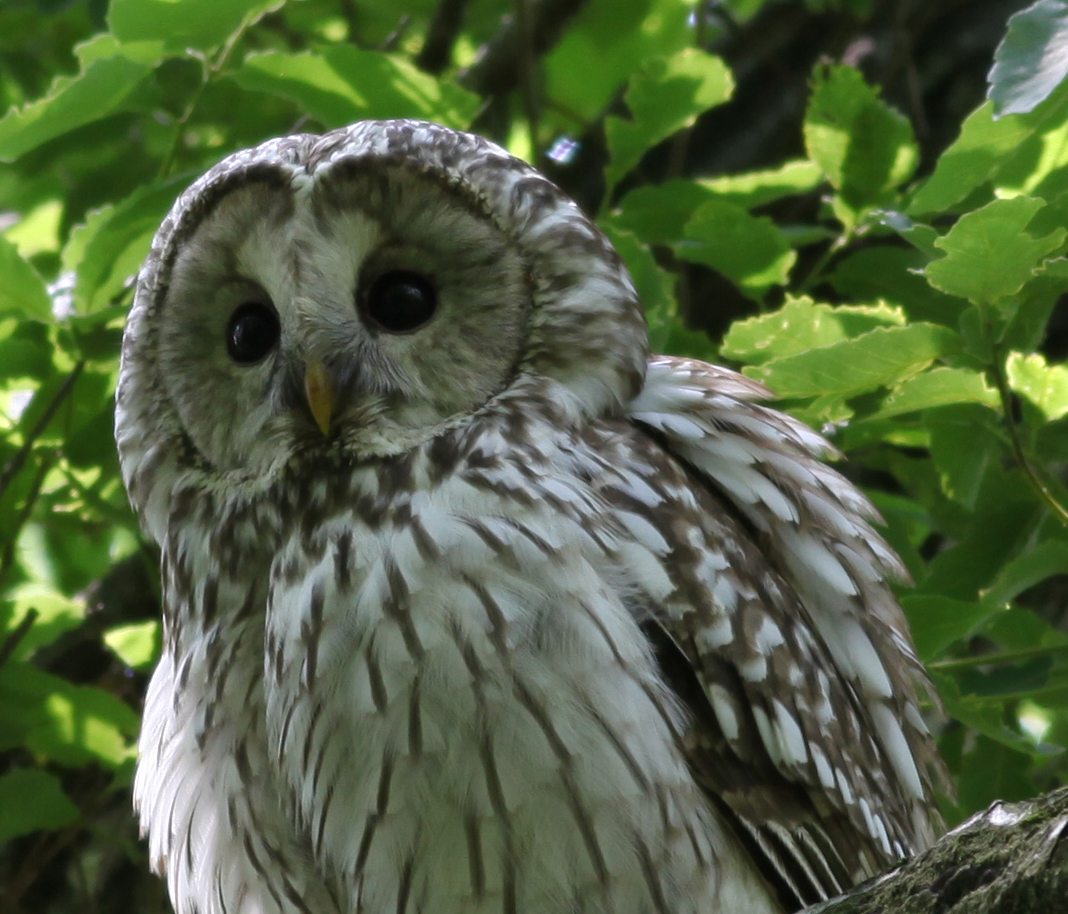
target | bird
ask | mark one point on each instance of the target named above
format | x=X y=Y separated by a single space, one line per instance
x=470 y=602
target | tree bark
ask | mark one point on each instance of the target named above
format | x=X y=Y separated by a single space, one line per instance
x=1010 y=859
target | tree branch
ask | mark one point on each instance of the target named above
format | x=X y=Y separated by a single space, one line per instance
x=436 y=53
x=499 y=66
x=1011 y=859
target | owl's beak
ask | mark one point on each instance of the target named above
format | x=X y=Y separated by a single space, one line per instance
x=319 y=389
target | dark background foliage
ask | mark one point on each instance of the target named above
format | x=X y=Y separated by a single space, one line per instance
x=815 y=192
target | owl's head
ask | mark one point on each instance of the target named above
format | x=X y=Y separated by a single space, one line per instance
x=362 y=290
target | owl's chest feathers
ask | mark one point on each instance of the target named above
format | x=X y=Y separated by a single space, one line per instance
x=452 y=710
x=461 y=707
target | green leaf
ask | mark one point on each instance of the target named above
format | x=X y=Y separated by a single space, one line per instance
x=891 y=272
x=54 y=615
x=863 y=146
x=989 y=255
x=32 y=800
x=749 y=250
x=800 y=325
x=38 y=230
x=938 y=387
x=981 y=714
x=965 y=446
x=1032 y=59
x=106 y=45
x=22 y=291
x=181 y=24
x=864 y=363
x=936 y=621
x=1019 y=629
x=1025 y=571
x=664 y=95
x=756 y=188
x=654 y=284
x=922 y=237
x=137 y=645
x=598 y=52
x=658 y=213
x=980 y=151
x=84 y=724
x=995 y=770
x=95 y=93
x=343 y=84
x=1044 y=385
x=68 y=724
x=970 y=562
x=107 y=250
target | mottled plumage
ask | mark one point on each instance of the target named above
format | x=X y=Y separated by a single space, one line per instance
x=489 y=611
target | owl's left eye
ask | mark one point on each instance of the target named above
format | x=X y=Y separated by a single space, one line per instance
x=400 y=301
x=252 y=332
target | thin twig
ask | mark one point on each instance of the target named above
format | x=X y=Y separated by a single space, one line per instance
x=16 y=635
x=15 y=464
x=999 y=658
x=526 y=74
x=1011 y=426
x=815 y=275
x=352 y=20
x=436 y=54
x=208 y=71
x=497 y=70
x=8 y=557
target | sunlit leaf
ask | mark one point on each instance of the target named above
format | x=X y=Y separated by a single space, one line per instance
x=756 y=188
x=1046 y=386
x=604 y=42
x=979 y=152
x=1032 y=59
x=83 y=724
x=182 y=24
x=137 y=645
x=71 y=102
x=344 y=84
x=863 y=145
x=664 y=95
x=864 y=363
x=22 y=291
x=938 y=387
x=107 y=250
x=800 y=325
x=38 y=230
x=989 y=255
x=747 y=249
x=53 y=612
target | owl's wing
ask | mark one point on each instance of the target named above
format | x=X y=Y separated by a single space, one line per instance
x=789 y=648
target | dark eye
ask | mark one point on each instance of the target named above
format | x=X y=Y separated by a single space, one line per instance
x=252 y=332
x=399 y=301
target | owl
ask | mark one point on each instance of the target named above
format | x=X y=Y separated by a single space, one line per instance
x=471 y=605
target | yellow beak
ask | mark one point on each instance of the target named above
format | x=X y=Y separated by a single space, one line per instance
x=319 y=390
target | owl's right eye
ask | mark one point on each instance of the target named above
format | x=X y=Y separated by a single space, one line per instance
x=252 y=332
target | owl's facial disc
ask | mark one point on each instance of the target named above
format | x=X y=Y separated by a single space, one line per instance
x=364 y=311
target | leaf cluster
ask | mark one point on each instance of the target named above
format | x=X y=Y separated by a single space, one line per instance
x=904 y=312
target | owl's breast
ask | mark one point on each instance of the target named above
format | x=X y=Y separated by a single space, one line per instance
x=465 y=715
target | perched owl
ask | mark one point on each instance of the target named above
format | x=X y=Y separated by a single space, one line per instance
x=470 y=604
